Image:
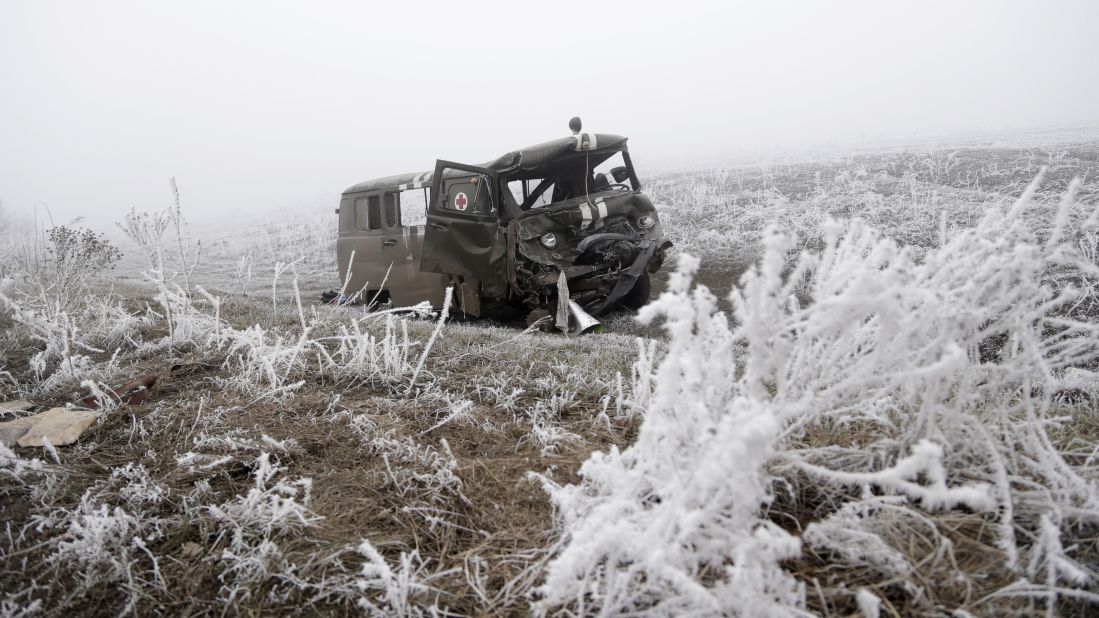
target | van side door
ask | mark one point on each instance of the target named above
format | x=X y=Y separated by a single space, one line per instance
x=359 y=247
x=463 y=236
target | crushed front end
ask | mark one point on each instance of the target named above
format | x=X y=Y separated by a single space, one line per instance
x=580 y=212
x=604 y=245
x=553 y=228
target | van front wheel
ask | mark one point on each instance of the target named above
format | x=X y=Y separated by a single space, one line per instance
x=638 y=295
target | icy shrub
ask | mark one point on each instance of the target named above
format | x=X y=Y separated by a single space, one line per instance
x=100 y=540
x=419 y=473
x=271 y=506
x=646 y=522
x=274 y=507
x=16 y=469
x=54 y=309
x=951 y=361
x=392 y=592
x=76 y=255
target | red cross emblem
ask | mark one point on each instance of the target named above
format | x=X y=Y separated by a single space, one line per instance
x=460 y=201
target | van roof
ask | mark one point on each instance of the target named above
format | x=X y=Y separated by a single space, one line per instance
x=526 y=159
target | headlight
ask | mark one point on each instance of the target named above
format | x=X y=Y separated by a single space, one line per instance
x=646 y=221
x=548 y=240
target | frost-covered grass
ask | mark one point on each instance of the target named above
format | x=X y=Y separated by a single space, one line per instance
x=313 y=458
x=720 y=213
x=893 y=415
x=949 y=368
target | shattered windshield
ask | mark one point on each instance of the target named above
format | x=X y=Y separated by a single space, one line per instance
x=571 y=177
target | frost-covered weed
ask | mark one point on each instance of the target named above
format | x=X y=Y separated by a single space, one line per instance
x=274 y=507
x=854 y=534
x=546 y=433
x=359 y=354
x=102 y=543
x=389 y=591
x=458 y=410
x=633 y=402
x=239 y=441
x=8 y=381
x=264 y=366
x=136 y=488
x=268 y=364
x=65 y=348
x=952 y=359
x=187 y=322
x=694 y=479
x=100 y=540
x=170 y=258
x=417 y=470
x=21 y=604
x=16 y=468
x=500 y=392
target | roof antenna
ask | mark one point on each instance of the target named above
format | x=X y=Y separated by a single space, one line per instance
x=574 y=124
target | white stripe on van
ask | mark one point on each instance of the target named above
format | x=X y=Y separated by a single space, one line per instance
x=585 y=210
x=602 y=206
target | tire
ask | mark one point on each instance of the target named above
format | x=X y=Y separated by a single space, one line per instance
x=375 y=297
x=638 y=295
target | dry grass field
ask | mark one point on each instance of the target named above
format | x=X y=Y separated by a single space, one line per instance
x=894 y=415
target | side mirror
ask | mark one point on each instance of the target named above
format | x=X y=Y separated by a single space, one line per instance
x=620 y=173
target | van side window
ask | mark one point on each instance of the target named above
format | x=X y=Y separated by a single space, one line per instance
x=467 y=195
x=529 y=195
x=361 y=220
x=413 y=205
x=374 y=210
x=392 y=214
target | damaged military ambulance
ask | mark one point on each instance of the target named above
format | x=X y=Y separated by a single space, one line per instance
x=558 y=230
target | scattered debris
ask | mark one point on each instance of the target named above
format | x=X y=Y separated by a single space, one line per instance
x=332 y=297
x=19 y=405
x=132 y=393
x=58 y=425
x=191 y=550
x=11 y=431
x=138 y=390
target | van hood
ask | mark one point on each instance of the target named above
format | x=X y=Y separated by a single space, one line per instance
x=572 y=221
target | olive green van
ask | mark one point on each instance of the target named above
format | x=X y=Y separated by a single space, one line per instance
x=529 y=232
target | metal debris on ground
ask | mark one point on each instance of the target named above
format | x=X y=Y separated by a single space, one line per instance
x=132 y=393
x=138 y=390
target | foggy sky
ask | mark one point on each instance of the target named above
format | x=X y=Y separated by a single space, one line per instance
x=260 y=106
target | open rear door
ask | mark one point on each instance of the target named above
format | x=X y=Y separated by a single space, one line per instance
x=463 y=235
